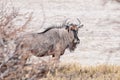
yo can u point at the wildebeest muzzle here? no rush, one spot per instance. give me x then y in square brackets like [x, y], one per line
[76, 39]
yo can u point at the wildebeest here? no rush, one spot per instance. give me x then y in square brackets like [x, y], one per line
[53, 41]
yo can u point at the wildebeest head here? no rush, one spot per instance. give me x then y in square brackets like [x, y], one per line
[74, 28]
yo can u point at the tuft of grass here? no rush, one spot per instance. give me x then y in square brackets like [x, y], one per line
[77, 72]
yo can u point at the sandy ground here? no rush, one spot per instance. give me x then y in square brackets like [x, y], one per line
[100, 36]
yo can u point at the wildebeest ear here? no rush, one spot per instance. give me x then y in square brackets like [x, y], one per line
[81, 26]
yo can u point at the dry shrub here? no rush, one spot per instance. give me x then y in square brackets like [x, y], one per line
[9, 15]
[12, 25]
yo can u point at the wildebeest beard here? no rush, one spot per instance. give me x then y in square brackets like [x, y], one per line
[72, 46]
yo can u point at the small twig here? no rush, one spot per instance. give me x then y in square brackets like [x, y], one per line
[6, 60]
[23, 27]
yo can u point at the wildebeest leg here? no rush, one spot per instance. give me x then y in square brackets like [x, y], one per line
[54, 63]
[54, 60]
[24, 57]
[43, 62]
[22, 60]
[56, 55]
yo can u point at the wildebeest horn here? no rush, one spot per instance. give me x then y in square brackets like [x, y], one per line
[79, 21]
[64, 23]
[79, 26]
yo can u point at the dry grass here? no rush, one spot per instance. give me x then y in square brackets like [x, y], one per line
[76, 72]
[65, 72]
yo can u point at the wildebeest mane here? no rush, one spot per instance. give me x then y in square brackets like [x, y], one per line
[49, 28]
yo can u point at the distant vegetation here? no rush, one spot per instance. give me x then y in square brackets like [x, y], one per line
[117, 0]
[9, 16]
